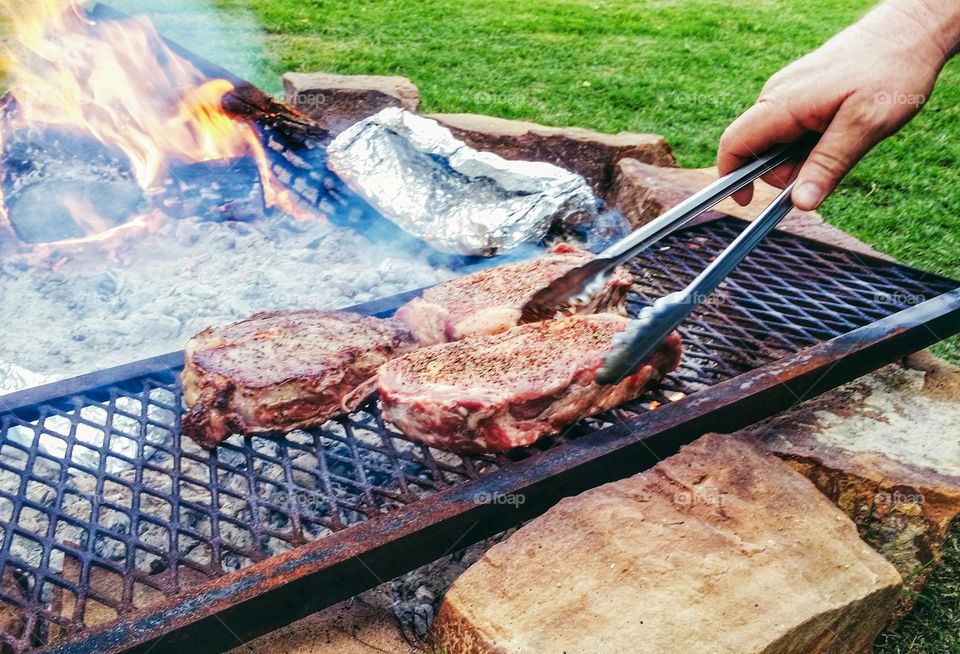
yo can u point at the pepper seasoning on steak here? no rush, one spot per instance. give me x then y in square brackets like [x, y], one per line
[490, 301]
[494, 393]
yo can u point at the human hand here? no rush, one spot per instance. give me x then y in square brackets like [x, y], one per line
[857, 89]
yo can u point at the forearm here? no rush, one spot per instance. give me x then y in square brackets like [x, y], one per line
[932, 27]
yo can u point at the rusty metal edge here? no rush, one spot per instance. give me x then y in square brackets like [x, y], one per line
[239, 607]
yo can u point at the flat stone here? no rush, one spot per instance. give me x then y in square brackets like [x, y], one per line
[591, 154]
[338, 101]
[643, 191]
[886, 449]
[718, 549]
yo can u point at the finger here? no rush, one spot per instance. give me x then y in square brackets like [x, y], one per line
[782, 174]
[779, 177]
[744, 196]
[760, 127]
[763, 125]
[848, 138]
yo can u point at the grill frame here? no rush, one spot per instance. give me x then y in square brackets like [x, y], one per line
[284, 587]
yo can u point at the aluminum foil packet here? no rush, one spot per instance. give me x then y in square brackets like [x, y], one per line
[459, 200]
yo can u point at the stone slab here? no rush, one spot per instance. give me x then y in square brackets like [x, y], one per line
[719, 549]
[886, 449]
[338, 101]
[586, 152]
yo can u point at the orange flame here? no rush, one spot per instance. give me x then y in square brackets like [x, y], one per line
[120, 82]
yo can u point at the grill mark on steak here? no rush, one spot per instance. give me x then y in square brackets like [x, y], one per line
[490, 301]
[283, 370]
[493, 393]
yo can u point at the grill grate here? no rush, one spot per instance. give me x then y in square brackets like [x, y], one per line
[106, 510]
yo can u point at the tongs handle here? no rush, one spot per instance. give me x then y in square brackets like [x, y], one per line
[658, 321]
[583, 280]
[692, 207]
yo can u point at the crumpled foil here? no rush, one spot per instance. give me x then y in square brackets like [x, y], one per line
[15, 378]
[460, 200]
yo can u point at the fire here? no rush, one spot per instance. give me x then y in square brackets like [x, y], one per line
[670, 396]
[120, 82]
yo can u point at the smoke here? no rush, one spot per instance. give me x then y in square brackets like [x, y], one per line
[229, 36]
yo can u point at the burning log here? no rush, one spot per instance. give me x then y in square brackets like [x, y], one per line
[245, 101]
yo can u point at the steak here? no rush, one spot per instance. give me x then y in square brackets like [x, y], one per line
[490, 301]
[493, 393]
[283, 370]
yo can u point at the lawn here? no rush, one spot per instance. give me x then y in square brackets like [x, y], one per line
[681, 68]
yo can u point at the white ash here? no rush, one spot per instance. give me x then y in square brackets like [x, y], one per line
[143, 292]
[73, 309]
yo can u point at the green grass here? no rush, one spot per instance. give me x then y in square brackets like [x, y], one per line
[681, 68]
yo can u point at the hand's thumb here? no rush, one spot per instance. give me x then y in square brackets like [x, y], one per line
[847, 139]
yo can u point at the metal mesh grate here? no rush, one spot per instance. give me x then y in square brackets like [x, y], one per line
[106, 510]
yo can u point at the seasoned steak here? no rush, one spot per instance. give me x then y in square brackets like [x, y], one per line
[493, 393]
[490, 301]
[283, 370]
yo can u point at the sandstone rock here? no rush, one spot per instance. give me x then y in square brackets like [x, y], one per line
[591, 154]
[338, 101]
[643, 192]
[717, 549]
[886, 450]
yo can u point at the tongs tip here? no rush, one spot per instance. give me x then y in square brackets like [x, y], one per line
[641, 338]
[565, 294]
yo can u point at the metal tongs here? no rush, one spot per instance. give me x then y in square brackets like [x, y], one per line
[656, 322]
